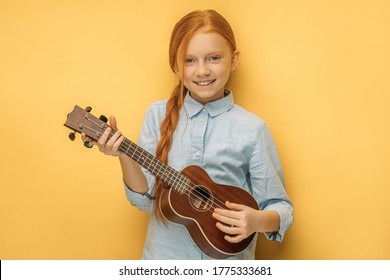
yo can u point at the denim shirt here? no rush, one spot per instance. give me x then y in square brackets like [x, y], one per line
[235, 147]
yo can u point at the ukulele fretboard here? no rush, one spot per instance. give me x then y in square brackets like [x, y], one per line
[159, 169]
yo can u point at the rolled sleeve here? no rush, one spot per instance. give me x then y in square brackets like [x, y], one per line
[143, 202]
[268, 184]
[285, 212]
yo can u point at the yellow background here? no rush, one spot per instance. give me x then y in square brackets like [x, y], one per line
[318, 72]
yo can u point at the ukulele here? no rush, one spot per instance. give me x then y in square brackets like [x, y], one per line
[191, 195]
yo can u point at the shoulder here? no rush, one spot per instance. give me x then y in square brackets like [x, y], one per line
[246, 118]
[156, 110]
[157, 106]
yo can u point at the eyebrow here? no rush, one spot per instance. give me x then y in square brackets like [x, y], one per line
[208, 54]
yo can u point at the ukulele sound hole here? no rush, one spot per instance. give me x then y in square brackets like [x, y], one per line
[200, 198]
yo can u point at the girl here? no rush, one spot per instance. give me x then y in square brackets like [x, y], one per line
[201, 125]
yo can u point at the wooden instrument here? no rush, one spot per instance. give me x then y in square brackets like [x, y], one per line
[191, 196]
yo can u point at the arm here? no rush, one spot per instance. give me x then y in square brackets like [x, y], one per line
[132, 172]
[132, 175]
[267, 184]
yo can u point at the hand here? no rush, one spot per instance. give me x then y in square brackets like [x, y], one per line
[238, 221]
[106, 145]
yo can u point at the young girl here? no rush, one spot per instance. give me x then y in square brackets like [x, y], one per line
[201, 125]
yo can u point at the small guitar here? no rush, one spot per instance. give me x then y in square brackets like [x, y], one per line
[191, 197]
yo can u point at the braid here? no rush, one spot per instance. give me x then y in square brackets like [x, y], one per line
[167, 129]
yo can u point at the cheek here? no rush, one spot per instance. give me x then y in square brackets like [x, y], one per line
[224, 72]
[223, 68]
[188, 74]
[186, 77]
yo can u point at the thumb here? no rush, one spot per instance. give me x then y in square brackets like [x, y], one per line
[113, 123]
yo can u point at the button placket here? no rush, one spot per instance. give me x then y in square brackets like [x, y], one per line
[198, 136]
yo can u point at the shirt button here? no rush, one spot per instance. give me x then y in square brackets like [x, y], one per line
[202, 120]
[196, 154]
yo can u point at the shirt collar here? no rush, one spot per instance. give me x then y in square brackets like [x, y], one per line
[214, 108]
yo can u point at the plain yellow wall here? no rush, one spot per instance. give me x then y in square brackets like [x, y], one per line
[316, 71]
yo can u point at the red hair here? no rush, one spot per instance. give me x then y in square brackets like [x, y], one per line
[205, 21]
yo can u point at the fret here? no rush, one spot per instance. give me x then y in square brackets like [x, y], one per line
[121, 146]
[183, 184]
[165, 174]
[135, 150]
[125, 146]
[141, 157]
[170, 178]
[144, 159]
[177, 182]
[162, 171]
[153, 165]
[147, 162]
[128, 146]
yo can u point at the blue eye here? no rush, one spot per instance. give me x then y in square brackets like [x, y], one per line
[214, 58]
[189, 60]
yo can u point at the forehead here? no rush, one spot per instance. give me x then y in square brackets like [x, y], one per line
[205, 43]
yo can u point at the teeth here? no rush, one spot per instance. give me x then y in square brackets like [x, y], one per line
[204, 83]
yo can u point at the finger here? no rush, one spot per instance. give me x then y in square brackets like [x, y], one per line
[103, 139]
[235, 206]
[233, 234]
[226, 213]
[118, 143]
[235, 238]
[229, 229]
[111, 142]
[85, 138]
[113, 123]
[227, 220]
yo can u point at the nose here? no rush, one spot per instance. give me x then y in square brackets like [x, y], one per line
[202, 70]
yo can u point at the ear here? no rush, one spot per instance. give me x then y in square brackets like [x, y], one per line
[235, 60]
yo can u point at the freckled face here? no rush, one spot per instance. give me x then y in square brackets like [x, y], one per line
[207, 67]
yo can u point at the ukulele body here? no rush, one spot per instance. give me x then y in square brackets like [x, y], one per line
[194, 210]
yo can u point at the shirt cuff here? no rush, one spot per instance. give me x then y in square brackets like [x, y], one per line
[285, 212]
[139, 200]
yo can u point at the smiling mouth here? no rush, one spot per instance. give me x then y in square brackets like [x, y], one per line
[204, 83]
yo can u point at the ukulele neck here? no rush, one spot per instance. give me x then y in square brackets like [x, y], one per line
[159, 169]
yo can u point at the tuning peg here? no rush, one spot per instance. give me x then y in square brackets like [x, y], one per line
[88, 109]
[88, 144]
[72, 136]
[103, 118]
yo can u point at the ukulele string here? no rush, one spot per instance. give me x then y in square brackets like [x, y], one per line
[197, 194]
[202, 196]
[124, 143]
[103, 126]
[187, 192]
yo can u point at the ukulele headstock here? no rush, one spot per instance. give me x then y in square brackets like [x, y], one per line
[82, 121]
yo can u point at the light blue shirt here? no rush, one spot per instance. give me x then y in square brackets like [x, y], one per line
[235, 147]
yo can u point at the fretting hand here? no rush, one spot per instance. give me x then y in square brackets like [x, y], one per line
[106, 145]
